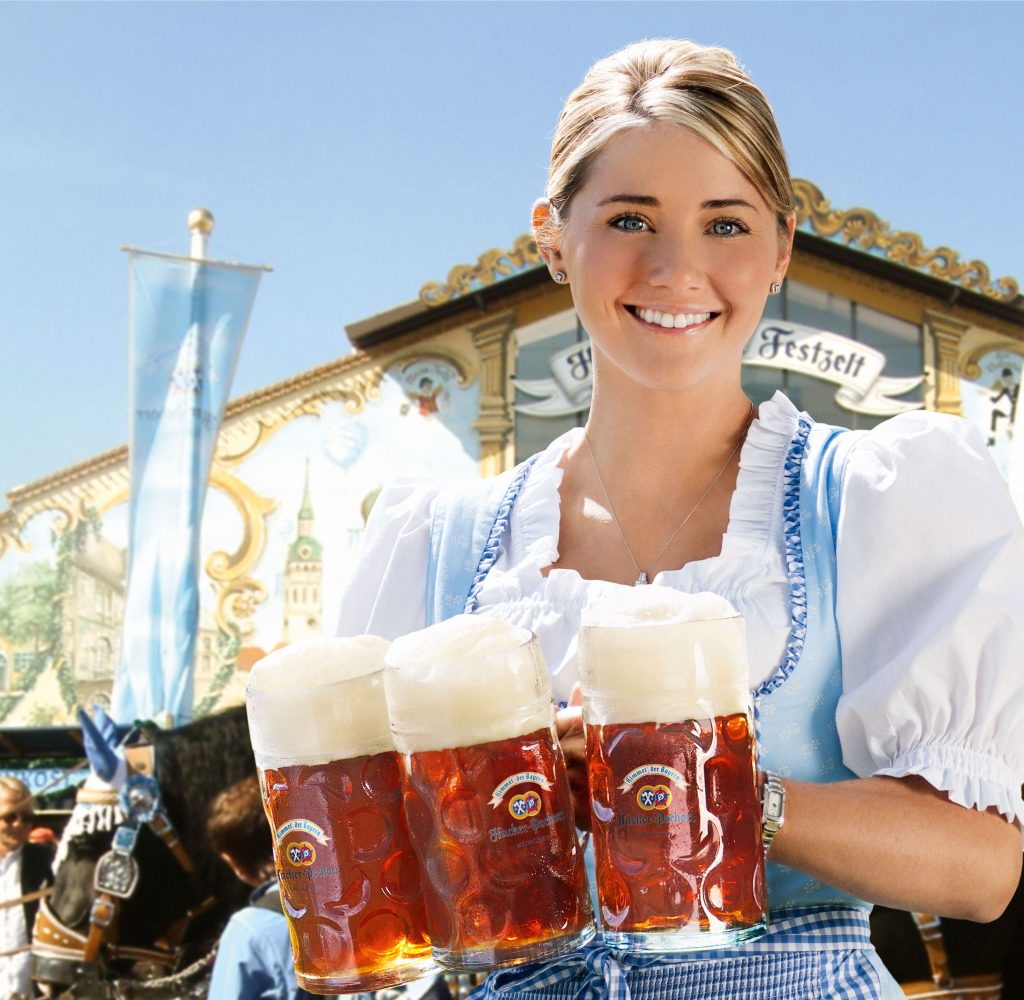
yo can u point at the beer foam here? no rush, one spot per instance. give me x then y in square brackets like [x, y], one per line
[464, 681]
[318, 701]
[655, 654]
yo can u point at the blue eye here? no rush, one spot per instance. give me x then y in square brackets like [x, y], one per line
[728, 227]
[630, 223]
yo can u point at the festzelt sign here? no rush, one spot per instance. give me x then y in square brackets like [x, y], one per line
[854, 367]
[568, 391]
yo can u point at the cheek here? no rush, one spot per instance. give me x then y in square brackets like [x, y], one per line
[745, 276]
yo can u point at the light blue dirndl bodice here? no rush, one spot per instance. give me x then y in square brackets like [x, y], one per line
[818, 944]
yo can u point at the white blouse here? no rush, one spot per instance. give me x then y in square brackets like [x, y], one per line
[930, 565]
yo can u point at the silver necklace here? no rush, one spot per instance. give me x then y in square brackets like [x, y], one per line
[643, 577]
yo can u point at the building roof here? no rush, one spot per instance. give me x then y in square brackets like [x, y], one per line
[856, 238]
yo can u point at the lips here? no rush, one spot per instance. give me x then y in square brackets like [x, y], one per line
[684, 321]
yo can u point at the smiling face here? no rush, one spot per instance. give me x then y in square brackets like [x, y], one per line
[670, 252]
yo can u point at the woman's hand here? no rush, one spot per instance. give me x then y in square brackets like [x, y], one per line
[569, 727]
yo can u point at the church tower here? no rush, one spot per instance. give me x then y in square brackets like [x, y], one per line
[303, 577]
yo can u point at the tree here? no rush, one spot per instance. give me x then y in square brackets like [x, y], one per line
[26, 605]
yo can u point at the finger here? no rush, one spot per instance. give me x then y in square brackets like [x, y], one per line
[569, 721]
[576, 695]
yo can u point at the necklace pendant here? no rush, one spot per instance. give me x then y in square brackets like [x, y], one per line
[641, 580]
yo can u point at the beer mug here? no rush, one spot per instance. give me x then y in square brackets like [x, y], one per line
[673, 774]
[487, 797]
[332, 789]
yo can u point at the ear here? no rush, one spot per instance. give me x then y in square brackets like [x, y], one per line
[546, 235]
[103, 758]
[785, 249]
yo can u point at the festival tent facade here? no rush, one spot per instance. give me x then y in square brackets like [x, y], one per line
[483, 369]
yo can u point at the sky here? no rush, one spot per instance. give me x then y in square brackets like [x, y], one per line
[363, 149]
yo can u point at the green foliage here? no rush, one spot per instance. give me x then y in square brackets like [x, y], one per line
[26, 604]
[32, 611]
[43, 715]
[228, 645]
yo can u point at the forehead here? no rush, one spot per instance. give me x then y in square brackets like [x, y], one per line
[9, 798]
[667, 162]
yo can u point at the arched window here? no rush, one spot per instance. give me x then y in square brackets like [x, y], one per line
[103, 659]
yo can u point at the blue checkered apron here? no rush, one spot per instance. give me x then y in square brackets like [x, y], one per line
[818, 944]
[810, 953]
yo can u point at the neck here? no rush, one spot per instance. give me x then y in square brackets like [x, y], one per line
[660, 440]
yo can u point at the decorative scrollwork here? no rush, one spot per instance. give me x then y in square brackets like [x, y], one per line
[243, 436]
[969, 366]
[493, 265]
[237, 592]
[465, 369]
[862, 227]
[10, 534]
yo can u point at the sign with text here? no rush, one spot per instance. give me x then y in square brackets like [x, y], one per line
[854, 367]
[569, 388]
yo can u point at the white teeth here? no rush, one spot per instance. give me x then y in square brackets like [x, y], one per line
[669, 321]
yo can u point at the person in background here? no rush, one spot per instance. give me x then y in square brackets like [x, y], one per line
[24, 869]
[254, 957]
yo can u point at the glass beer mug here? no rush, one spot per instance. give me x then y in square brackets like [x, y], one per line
[673, 774]
[332, 789]
[487, 797]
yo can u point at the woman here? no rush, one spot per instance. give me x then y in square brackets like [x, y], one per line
[890, 636]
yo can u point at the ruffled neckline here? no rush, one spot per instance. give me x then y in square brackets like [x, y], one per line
[752, 525]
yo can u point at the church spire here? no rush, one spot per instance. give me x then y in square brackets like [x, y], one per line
[306, 517]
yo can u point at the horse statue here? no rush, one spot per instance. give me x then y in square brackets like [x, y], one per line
[140, 897]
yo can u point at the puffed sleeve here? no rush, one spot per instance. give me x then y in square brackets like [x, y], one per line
[930, 605]
[385, 593]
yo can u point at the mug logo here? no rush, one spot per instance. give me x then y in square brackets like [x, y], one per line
[301, 854]
[524, 806]
[522, 778]
[654, 797]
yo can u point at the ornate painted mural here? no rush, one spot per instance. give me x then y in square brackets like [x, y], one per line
[291, 487]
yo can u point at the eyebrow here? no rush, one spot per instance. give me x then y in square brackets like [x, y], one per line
[652, 202]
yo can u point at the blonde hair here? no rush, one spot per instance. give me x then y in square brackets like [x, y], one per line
[15, 786]
[699, 87]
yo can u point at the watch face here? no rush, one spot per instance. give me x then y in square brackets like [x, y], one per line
[116, 874]
[774, 801]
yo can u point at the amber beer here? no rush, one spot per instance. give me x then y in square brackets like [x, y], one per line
[672, 766]
[332, 788]
[487, 797]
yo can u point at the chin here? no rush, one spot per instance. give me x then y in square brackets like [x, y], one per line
[662, 371]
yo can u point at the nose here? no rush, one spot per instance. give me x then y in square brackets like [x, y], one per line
[676, 262]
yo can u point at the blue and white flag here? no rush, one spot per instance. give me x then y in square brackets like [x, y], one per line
[187, 320]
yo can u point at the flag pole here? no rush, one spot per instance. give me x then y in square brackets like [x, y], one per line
[200, 225]
[187, 319]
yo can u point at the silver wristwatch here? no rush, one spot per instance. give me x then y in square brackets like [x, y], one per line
[773, 808]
